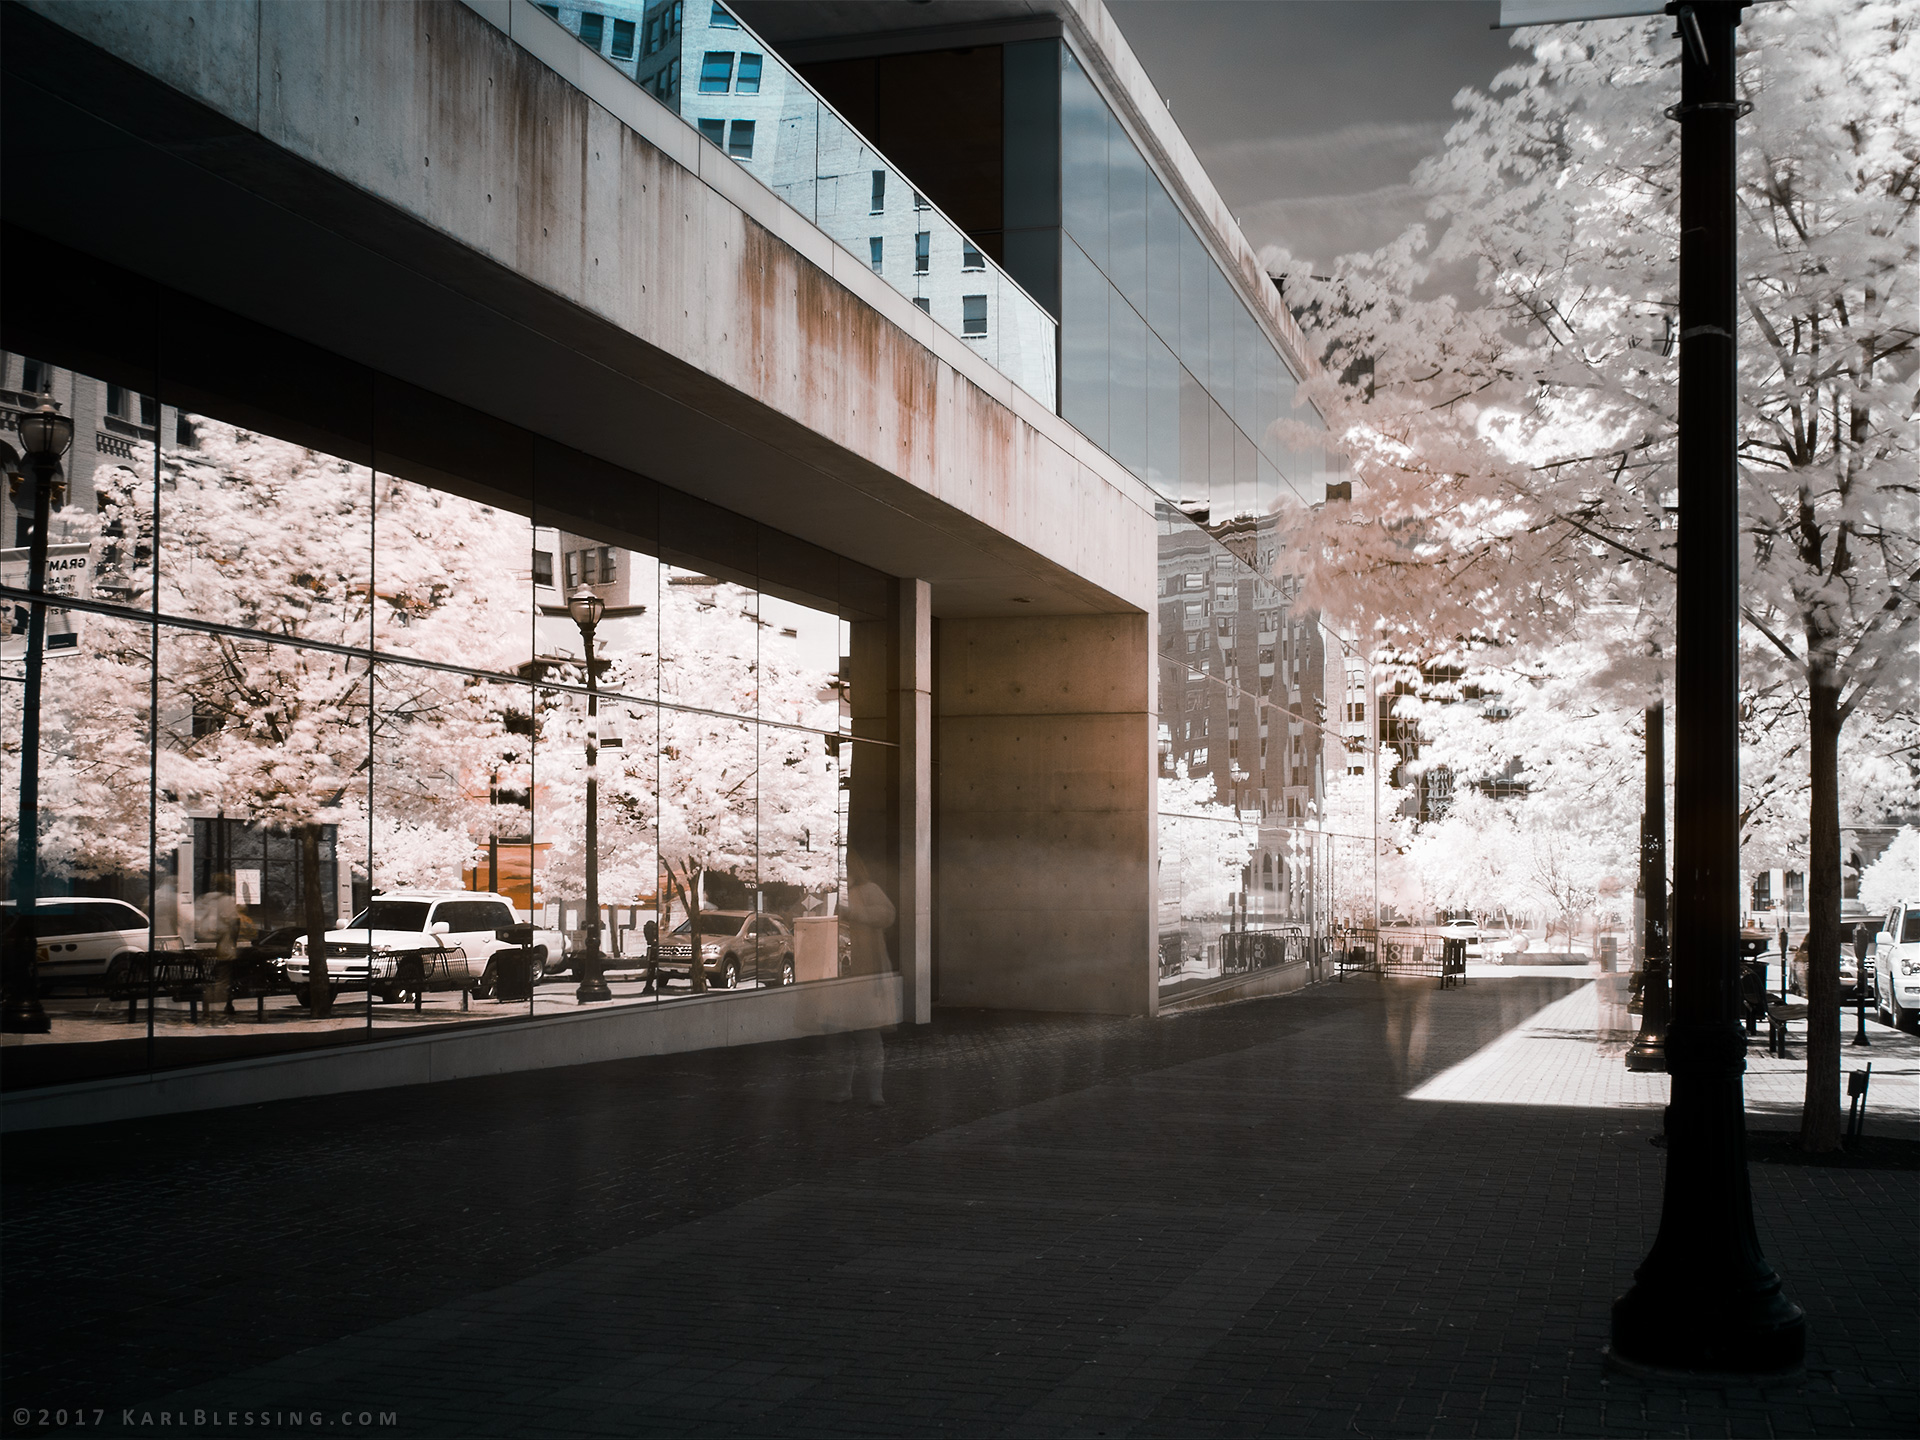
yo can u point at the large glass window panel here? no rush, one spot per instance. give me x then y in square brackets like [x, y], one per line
[267, 751]
[1196, 479]
[1084, 128]
[1245, 480]
[597, 755]
[1266, 484]
[801, 648]
[1127, 217]
[1267, 372]
[1220, 487]
[1084, 363]
[709, 821]
[454, 577]
[1163, 418]
[1205, 850]
[450, 842]
[1164, 227]
[800, 844]
[96, 904]
[1127, 423]
[1222, 308]
[1195, 266]
[266, 535]
[1248, 341]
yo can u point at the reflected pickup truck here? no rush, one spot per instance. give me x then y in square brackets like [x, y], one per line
[411, 941]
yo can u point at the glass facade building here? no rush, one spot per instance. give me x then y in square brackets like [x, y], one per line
[288, 691]
[311, 667]
[1162, 362]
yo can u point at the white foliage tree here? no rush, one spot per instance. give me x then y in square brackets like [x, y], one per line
[1895, 876]
[1513, 451]
[735, 797]
[284, 729]
[1204, 845]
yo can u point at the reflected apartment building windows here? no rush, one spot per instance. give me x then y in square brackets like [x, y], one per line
[716, 72]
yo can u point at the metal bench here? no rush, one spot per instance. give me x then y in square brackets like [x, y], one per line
[1777, 1017]
[191, 975]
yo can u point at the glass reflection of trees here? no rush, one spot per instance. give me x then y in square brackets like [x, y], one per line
[364, 690]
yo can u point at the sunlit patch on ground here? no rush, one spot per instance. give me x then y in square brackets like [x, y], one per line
[1560, 1057]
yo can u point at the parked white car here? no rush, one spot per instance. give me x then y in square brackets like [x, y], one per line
[85, 940]
[1896, 962]
[417, 940]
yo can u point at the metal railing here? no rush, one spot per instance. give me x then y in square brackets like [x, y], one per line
[727, 84]
[1400, 951]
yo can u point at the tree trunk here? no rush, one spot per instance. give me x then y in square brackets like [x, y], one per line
[319, 979]
[1820, 1114]
[690, 897]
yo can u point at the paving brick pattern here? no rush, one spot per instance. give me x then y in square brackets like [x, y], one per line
[1232, 1222]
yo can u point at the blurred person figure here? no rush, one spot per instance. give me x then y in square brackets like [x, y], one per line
[651, 933]
[221, 925]
[867, 913]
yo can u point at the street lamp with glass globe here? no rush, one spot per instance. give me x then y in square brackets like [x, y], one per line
[586, 609]
[45, 437]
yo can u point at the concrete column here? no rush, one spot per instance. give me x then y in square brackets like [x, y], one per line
[1048, 835]
[913, 707]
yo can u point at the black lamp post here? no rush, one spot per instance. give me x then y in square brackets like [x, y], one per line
[1705, 1300]
[1649, 1050]
[586, 609]
[45, 436]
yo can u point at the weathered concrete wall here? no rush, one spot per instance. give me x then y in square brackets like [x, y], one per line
[488, 125]
[1046, 813]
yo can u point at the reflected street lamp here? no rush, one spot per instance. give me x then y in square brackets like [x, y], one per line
[45, 436]
[586, 609]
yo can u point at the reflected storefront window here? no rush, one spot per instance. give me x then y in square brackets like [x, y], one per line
[326, 753]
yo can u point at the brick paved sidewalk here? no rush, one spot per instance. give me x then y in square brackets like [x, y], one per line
[1230, 1222]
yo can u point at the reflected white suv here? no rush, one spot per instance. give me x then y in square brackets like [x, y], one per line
[1896, 964]
[414, 940]
[84, 939]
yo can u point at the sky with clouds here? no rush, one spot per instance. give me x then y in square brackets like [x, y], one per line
[1310, 114]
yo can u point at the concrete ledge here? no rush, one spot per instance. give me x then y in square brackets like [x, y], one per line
[705, 1022]
[1279, 981]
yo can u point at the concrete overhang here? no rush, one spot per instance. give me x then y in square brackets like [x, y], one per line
[503, 220]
